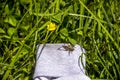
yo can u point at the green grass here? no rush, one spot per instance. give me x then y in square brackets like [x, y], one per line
[93, 24]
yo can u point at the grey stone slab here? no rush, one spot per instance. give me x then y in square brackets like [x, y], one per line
[54, 62]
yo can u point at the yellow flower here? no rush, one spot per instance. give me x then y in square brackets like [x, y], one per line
[51, 27]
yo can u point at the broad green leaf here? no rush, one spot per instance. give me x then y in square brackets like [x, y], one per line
[7, 11]
[62, 37]
[11, 20]
[2, 31]
[72, 41]
[57, 18]
[27, 78]
[25, 27]
[11, 31]
[25, 70]
[80, 33]
[63, 33]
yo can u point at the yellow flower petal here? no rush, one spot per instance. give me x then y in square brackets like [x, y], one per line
[51, 26]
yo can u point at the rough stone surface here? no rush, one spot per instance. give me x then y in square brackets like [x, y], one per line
[56, 63]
